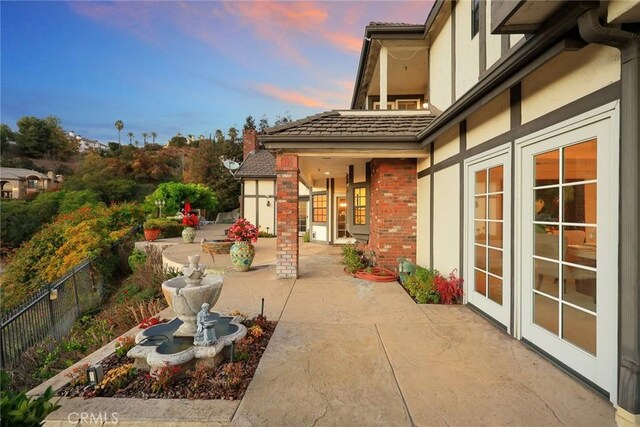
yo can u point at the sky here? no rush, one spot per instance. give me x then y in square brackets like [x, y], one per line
[190, 67]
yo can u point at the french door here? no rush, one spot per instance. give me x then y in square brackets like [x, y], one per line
[488, 240]
[568, 258]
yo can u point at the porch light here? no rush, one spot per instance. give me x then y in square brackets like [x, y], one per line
[343, 205]
[94, 374]
[425, 105]
[327, 173]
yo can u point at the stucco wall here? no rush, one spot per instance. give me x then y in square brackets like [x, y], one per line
[319, 232]
[467, 50]
[514, 39]
[493, 119]
[250, 209]
[440, 67]
[249, 187]
[446, 215]
[423, 222]
[494, 41]
[568, 77]
[447, 145]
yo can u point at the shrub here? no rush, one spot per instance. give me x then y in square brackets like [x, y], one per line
[420, 286]
[73, 200]
[136, 259]
[449, 288]
[175, 194]
[352, 258]
[306, 237]
[19, 410]
[124, 344]
[164, 377]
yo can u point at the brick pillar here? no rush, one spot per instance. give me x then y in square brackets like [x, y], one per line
[287, 248]
[393, 213]
[249, 142]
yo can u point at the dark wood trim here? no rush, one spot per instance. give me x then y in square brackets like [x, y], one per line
[257, 199]
[491, 320]
[333, 208]
[505, 44]
[462, 219]
[431, 208]
[515, 109]
[242, 183]
[453, 51]
[483, 36]
[275, 208]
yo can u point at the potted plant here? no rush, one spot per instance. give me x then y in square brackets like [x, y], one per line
[190, 222]
[152, 229]
[242, 251]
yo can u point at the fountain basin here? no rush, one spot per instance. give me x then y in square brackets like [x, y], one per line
[159, 347]
[186, 300]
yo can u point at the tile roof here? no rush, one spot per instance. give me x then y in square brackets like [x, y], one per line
[392, 24]
[259, 163]
[20, 173]
[354, 124]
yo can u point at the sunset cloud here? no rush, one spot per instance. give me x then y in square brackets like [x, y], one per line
[290, 96]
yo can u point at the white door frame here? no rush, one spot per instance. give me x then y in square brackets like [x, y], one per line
[334, 231]
[497, 156]
[603, 124]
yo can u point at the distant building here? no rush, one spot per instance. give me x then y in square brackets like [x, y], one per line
[18, 183]
[85, 144]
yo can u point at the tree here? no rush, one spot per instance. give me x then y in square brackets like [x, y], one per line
[178, 141]
[130, 135]
[250, 123]
[263, 124]
[39, 137]
[154, 135]
[175, 194]
[283, 120]
[145, 135]
[119, 125]
[6, 135]
[233, 134]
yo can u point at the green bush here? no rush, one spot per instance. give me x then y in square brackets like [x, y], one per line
[136, 259]
[19, 410]
[174, 194]
[73, 200]
[420, 286]
[352, 258]
[307, 237]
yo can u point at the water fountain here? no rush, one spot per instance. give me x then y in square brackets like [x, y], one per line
[196, 336]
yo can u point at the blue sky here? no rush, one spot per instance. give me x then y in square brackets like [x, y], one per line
[188, 67]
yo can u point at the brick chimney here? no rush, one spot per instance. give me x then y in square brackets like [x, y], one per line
[249, 142]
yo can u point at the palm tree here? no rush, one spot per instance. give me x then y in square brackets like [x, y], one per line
[130, 135]
[119, 125]
[145, 135]
[154, 135]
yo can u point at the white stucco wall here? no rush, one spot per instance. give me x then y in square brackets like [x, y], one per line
[467, 50]
[266, 187]
[423, 164]
[567, 77]
[447, 145]
[446, 215]
[319, 232]
[249, 187]
[440, 67]
[250, 209]
[267, 215]
[514, 39]
[494, 41]
[493, 119]
[423, 221]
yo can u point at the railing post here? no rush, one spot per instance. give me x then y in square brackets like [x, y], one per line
[2, 347]
[75, 289]
[52, 316]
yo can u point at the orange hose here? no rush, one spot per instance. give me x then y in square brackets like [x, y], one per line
[377, 275]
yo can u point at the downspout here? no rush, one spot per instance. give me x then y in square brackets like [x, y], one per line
[629, 217]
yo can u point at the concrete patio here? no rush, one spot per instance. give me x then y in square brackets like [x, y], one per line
[349, 352]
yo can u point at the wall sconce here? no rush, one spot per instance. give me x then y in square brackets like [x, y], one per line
[425, 105]
[268, 201]
[94, 374]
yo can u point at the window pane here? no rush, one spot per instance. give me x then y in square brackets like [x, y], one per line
[495, 234]
[545, 313]
[580, 287]
[547, 168]
[546, 276]
[546, 204]
[495, 262]
[546, 241]
[481, 207]
[495, 206]
[480, 257]
[580, 203]
[495, 289]
[481, 181]
[580, 245]
[480, 285]
[580, 162]
[496, 181]
[579, 328]
[480, 232]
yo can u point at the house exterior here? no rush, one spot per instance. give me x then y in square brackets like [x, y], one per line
[498, 139]
[18, 183]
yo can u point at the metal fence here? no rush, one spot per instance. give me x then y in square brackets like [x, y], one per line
[52, 312]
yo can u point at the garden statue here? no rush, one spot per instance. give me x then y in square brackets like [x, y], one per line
[205, 333]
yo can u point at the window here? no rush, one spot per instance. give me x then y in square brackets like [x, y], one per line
[32, 183]
[407, 104]
[475, 17]
[390, 105]
[359, 205]
[320, 208]
[302, 215]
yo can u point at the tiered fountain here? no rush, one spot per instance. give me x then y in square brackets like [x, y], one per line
[197, 336]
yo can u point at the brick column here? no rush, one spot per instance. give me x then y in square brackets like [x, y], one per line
[287, 248]
[393, 213]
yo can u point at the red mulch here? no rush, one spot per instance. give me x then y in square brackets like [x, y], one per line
[228, 381]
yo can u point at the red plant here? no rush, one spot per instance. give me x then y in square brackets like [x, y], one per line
[243, 231]
[190, 220]
[450, 288]
[148, 322]
[164, 377]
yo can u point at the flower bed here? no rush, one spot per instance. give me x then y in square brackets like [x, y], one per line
[229, 381]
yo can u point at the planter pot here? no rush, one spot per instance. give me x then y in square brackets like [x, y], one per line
[242, 254]
[188, 234]
[152, 234]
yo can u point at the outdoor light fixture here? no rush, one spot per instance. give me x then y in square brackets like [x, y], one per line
[94, 374]
[327, 173]
[53, 294]
[160, 204]
[425, 105]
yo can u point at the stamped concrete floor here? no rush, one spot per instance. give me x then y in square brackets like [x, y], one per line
[348, 352]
